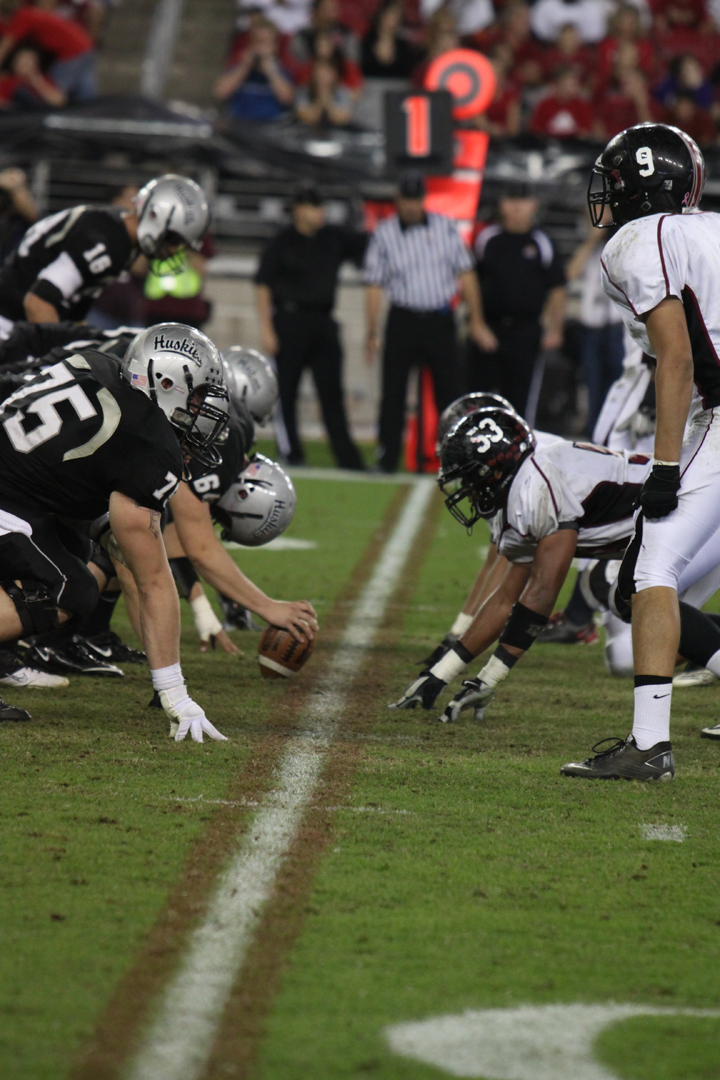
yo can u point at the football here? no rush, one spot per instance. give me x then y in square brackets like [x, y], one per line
[281, 655]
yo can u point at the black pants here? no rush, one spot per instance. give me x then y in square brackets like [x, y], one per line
[52, 555]
[413, 339]
[312, 339]
[509, 370]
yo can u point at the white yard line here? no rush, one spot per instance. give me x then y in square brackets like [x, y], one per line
[179, 1040]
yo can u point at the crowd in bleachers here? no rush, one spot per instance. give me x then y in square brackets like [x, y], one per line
[565, 68]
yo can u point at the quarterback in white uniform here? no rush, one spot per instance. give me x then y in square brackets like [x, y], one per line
[662, 270]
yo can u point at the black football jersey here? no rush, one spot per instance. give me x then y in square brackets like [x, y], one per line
[210, 484]
[66, 259]
[78, 432]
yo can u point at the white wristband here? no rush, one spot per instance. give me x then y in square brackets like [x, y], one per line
[207, 623]
[461, 624]
[448, 667]
[165, 678]
[494, 672]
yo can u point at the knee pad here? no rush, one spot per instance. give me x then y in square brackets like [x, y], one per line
[185, 575]
[35, 605]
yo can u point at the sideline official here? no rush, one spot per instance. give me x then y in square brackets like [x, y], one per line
[522, 285]
[296, 283]
[418, 258]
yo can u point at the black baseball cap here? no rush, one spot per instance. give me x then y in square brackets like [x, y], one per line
[307, 195]
[411, 185]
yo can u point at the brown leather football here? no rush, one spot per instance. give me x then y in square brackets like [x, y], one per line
[280, 654]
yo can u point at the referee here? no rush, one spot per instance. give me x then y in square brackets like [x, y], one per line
[295, 294]
[418, 259]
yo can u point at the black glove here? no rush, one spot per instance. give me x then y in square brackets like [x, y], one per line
[445, 645]
[424, 691]
[658, 497]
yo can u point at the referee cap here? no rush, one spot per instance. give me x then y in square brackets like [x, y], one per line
[307, 195]
[411, 186]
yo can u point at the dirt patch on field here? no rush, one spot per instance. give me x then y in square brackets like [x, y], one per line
[118, 1030]
[243, 1026]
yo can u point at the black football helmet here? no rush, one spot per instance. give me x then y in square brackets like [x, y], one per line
[646, 169]
[479, 458]
[465, 405]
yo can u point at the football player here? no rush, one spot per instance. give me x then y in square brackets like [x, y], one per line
[662, 270]
[65, 260]
[549, 504]
[87, 437]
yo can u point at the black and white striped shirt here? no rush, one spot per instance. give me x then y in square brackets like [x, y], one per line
[418, 265]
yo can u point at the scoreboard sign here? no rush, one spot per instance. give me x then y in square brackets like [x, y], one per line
[419, 131]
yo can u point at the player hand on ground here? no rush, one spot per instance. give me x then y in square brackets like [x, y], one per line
[424, 691]
[297, 616]
[223, 641]
[188, 716]
[475, 694]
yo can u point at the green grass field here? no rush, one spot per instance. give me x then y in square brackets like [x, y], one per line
[458, 871]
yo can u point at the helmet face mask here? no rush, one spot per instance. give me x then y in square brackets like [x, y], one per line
[259, 506]
[479, 459]
[179, 369]
[646, 169]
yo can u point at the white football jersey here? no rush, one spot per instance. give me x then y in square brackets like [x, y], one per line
[671, 255]
[573, 486]
[495, 523]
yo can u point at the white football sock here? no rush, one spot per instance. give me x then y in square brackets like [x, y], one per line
[713, 663]
[651, 723]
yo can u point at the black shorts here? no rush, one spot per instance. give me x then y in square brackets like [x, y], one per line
[36, 547]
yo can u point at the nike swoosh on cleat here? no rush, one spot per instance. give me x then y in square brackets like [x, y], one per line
[103, 652]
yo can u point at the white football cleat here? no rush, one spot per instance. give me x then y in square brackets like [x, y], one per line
[26, 676]
[694, 675]
[710, 732]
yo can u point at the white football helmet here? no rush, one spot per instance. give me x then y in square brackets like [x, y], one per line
[180, 369]
[250, 379]
[172, 211]
[259, 506]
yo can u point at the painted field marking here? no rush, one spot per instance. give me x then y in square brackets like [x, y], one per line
[179, 1040]
[664, 832]
[533, 1042]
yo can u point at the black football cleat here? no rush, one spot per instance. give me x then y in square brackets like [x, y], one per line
[560, 631]
[73, 658]
[12, 714]
[623, 761]
[110, 648]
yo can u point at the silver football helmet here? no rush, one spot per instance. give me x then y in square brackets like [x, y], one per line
[172, 211]
[250, 379]
[180, 369]
[259, 506]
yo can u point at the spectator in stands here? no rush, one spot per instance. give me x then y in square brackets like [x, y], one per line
[522, 285]
[564, 113]
[686, 77]
[470, 16]
[91, 14]
[589, 17]
[327, 49]
[25, 87]
[17, 210]
[325, 21]
[386, 51]
[420, 260]
[503, 115]
[440, 37]
[568, 51]
[686, 114]
[515, 34]
[624, 28]
[69, 48]
[324, 102]
[296, 283]
[601, 335]
[624, 100]
[258, 87]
